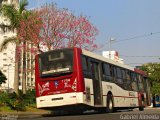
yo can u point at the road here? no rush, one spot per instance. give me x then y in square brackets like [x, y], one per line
[147, 114]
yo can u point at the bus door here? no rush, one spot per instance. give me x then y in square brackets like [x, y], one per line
[95, 69]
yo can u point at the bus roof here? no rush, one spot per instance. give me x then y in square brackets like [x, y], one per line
[140, 71]
[99, 57]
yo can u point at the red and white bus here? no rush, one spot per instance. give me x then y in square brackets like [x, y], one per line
[77, 79]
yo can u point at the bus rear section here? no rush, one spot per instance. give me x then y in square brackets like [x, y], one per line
[59, 79]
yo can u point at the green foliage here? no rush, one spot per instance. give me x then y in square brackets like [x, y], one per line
[17, 102]
[22, 5]
[10, 12]
[153, 70]
[3, 98]
[13, 14]
[12, 100]
[30, 98]
[155, 89]
[2, 78]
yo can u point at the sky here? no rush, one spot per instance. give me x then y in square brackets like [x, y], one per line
[133, 24]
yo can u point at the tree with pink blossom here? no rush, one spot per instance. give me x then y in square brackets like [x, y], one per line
[52, 28]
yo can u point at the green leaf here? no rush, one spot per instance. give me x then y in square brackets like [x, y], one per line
[2, 77]
[153, 70]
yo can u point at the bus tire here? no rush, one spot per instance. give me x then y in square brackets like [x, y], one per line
[141, 108]
[76, 112]
[109, 104]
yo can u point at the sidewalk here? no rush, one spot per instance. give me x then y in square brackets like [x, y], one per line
[150, 107]
[17, 115]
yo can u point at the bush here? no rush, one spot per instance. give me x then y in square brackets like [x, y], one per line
[30, 98]
[18, 102]
[11, 100]
[3, 98]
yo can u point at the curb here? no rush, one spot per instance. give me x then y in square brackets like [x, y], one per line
[19, 115]
[152, 108]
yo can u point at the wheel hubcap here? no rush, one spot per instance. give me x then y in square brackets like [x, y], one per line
[110, 104]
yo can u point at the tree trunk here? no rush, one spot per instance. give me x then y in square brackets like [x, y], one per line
[24, 69]
[16, 72]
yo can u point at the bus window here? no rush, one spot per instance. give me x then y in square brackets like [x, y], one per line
[114, 72]
[119, 72]
[140, 83]
[95, 70]
[145, 84]
[128, 76]
[85, 66]
[134, 85]
[55, 63]
[107, 72]
[123, 74]
[84, 63]
[127, 80]
[119, 75]
[106, 69]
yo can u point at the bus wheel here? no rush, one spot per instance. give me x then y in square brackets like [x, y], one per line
[141, 108]
[75, 112]
[109, 105]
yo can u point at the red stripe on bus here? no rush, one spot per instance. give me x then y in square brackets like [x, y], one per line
[125, 96]
[115, 96]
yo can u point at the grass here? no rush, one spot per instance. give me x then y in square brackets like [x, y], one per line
[21, 103]
[34, 109]
[5, 109]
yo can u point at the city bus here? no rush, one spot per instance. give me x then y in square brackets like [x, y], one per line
[76, 79]
[156, 101]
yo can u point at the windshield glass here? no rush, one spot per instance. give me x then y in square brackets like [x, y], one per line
[56, 62]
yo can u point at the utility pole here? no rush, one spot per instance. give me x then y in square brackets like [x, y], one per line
[110, 40]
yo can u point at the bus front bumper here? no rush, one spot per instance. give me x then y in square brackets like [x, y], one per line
[59, 100]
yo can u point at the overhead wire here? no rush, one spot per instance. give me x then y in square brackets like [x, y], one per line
[139, 36]
[136, 37]
[141, 56]
[127, 39]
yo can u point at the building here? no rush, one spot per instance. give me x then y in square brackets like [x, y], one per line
[113, 55]
[7, 57]
[29, 71]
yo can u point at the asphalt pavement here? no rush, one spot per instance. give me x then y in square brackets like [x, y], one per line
[48, 114]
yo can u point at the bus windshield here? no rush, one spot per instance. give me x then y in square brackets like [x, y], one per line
[56, 62]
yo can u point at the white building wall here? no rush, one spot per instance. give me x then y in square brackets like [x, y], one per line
[7, 58]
